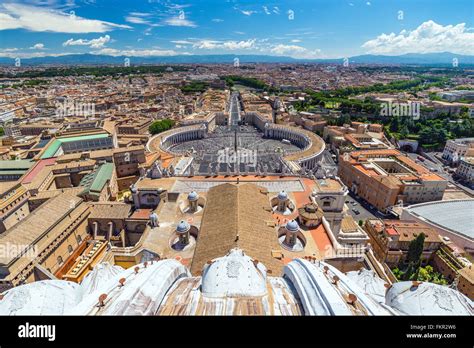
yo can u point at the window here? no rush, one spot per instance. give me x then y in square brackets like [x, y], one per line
[79, 239]
[60, 260]
[70, 249]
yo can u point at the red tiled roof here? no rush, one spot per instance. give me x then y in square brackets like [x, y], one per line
[141, 214]
[392, 232]
[36, 169]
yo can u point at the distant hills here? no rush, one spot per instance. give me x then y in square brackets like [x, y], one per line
[436, 59]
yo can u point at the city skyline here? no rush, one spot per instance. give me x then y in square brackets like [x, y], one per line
[300, 29]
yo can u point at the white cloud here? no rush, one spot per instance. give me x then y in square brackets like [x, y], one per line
[225, 45]
[147, 31]
[173, 6]
[12, 53]
[135, 53]
[139, 18]
[136, 20]
[276, 10]
[180, 22]
[140, 14]
[247, 13]
[429, 37]
[265, 9]
[368, 3]
[217, 20]
[16, 16]
[282, 49]
[206, 44]
[38, 46]
[236, 45]
[181, 42]
[260, 45]
[295, 51]
[296, 40]
[94, 43]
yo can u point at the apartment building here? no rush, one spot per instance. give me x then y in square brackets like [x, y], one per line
[385, 178]
[390, 239]
[465, 169]
[132, 126]
[455, 149]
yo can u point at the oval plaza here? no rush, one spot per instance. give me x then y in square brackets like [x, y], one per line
[239, 141]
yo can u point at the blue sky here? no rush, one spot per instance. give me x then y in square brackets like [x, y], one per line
[297, 28]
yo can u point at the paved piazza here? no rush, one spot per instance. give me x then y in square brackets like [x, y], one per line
[214, 154]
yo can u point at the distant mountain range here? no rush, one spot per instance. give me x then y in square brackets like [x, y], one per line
[436, 59]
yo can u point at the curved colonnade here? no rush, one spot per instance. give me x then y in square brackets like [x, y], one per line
[311, 145]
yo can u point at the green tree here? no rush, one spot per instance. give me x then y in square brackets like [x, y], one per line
[427, 134]
[417, 127]
[409, 272]
[2, 131]
[404, 132]
[161, 126]
[394, 124]
[195, 86]
[415, 249]
[397, 273]
[344, 119]
[428, 274]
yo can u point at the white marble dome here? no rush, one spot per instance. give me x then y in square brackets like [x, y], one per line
[234, 275]
[426, 298]
[47, 297]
